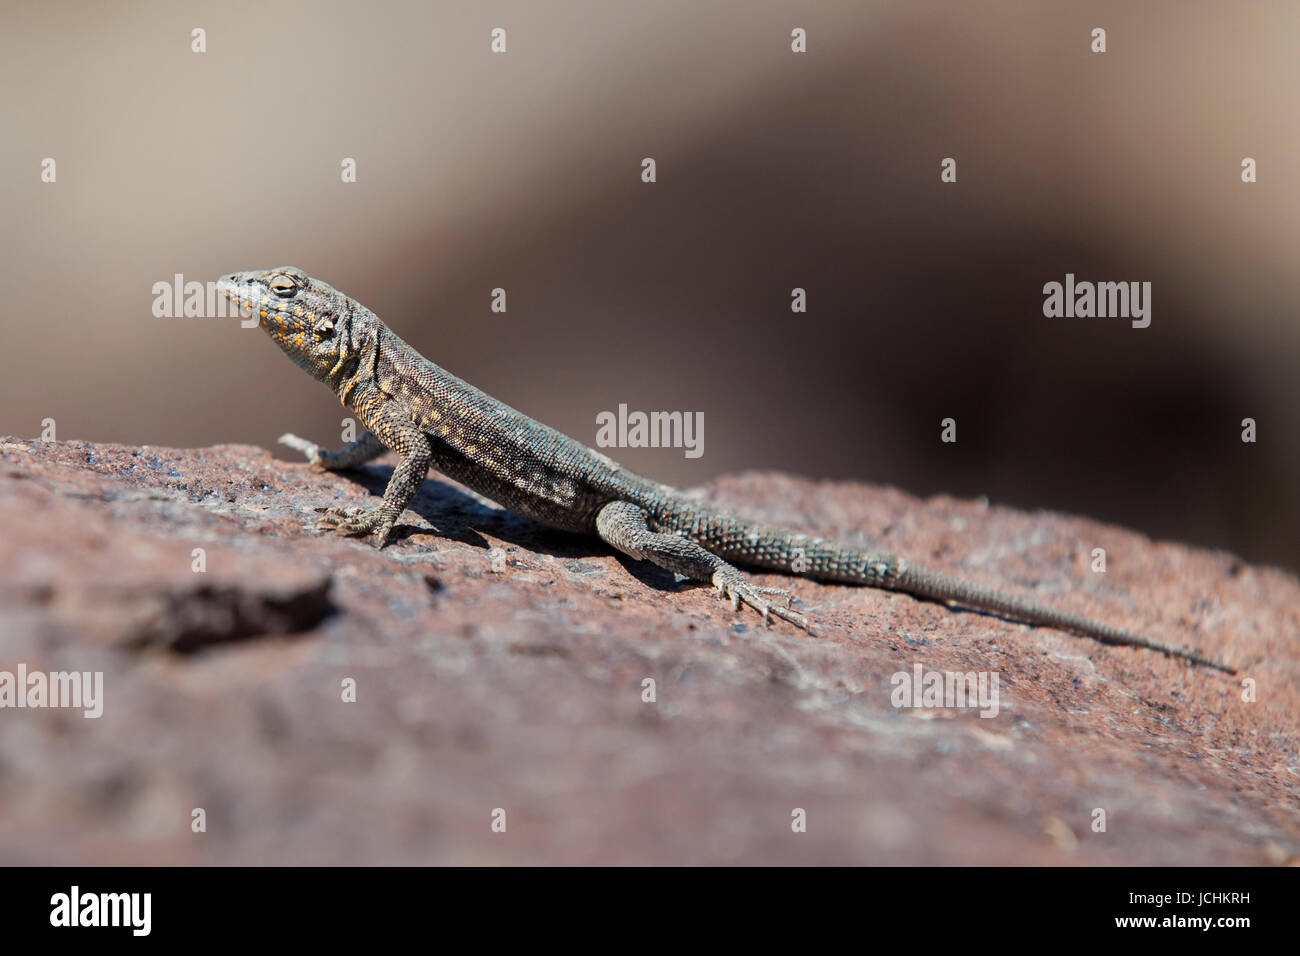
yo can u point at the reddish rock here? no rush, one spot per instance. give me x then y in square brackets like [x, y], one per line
[499, 665]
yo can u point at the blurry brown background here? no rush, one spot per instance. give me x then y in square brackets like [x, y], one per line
[775, 170]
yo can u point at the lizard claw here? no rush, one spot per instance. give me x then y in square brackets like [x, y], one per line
[358, 521]
[734, 586]
[779, 592]
[341, 517]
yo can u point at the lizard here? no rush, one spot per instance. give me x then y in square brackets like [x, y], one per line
[431, 418]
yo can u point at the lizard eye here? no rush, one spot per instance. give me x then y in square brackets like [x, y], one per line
[283, 285]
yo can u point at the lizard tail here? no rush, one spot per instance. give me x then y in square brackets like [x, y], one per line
[781, 550]
[924, 582]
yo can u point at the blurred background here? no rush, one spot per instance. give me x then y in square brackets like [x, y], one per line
[775, 170]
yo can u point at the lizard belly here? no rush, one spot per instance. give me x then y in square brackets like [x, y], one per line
[527, 488]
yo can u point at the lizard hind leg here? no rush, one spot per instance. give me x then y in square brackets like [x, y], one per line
[622, 525]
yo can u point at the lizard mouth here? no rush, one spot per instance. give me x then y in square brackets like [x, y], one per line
[288, 322]
[244, 295]
[252, 300]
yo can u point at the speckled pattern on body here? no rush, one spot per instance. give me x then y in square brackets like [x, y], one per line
[431, 418]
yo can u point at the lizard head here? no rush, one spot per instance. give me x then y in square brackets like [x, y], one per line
[310, 320]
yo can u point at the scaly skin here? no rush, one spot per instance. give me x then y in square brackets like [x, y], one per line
[431, 418]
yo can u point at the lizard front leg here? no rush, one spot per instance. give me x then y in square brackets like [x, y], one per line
[352, 455]
[412, 446]
[622, 525]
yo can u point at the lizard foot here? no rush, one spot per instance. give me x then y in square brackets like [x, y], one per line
[309, 449]
[358, 521]
[733, 585]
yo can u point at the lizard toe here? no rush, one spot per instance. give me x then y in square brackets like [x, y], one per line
[354, 521]
[779, 592]
[338, 516]
[308, 448]
[733, 585]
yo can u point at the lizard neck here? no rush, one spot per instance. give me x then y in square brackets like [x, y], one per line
[358, 352]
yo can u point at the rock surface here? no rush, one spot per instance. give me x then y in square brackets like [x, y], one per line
[499, 665]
